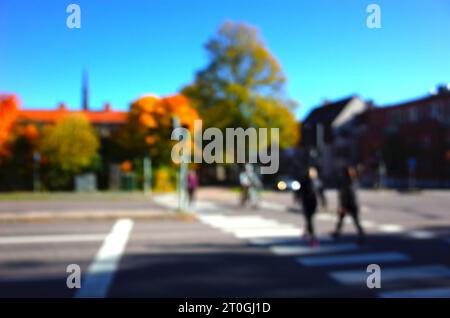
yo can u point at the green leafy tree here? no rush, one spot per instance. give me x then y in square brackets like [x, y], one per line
[69, 147]
[243, 85]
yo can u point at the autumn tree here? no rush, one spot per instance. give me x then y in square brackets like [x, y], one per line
[15, 147]
[8, 114]
[243, 85]
[69, 147]
[150, 123]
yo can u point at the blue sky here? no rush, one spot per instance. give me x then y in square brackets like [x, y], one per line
[136, 47]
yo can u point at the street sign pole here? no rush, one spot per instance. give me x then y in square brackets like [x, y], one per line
[412, 164]
[147, 175]
[182, 175]
[36, 172]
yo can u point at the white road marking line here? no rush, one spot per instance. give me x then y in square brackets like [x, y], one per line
[251, 226]
[367, 258]
[393, 274]
[275, 241]
[304, 250]
[421, 235]
[167, 200]
[244, 223]
[418, 293]
[332, 218]
[207, 207]
[279, 228]
[274, 232]
[365, 209]
[368, 224]
[100, 273]
[210, 218]
[221, 219]
[347, 220]
[325, 217]
[272, 206]
[280, 241]
[32, 239]
[390, 228]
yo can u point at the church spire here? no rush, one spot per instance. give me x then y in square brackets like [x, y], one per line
[85, 93]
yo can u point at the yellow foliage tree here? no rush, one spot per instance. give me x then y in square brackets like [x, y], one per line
[69, 146]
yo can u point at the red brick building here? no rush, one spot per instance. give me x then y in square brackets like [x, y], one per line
[409, 142]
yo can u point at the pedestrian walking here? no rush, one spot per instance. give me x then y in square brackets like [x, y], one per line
[318, 187]
[250, 185]
[308, 198]
[192, 185]
[348, 203]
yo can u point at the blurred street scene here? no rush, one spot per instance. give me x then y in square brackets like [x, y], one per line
[223, 250]
[246, 151]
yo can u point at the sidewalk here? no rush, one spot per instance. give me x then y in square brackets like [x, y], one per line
[75, 206]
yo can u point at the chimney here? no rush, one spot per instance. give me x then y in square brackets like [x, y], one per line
[62, 107]
[107, 107]
[440, 89]
[85, 92]
[370, 103]
[443, 89]
[325, 102]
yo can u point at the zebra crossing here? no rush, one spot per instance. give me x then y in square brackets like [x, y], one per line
[344, 262]
[351, 259]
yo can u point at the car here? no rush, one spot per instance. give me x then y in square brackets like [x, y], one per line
[285, 183]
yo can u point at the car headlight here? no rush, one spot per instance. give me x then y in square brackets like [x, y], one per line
[281, 185]
[295, 185]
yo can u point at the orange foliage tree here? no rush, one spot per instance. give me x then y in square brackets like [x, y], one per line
[150, 123]
[8, 114]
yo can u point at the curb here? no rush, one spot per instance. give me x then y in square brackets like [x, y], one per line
[94, 216]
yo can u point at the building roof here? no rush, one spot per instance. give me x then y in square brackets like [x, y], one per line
[95, 117]
[420, 100]
[327, 113]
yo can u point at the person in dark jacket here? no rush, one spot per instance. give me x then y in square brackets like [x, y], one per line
[318, 187]
[307, 196]
[348, 203]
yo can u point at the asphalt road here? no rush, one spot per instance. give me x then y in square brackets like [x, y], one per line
[231, 251]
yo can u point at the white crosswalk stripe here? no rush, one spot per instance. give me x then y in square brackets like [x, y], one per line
[39, 239]
[304, 250]
[443, 292]
[421, 235]
[272, 206]
[274, 232]
[284, 239]
[229, 223]
[251, 226]
[413, 273]
[288, 241]
[348, 259]
[390, 228]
